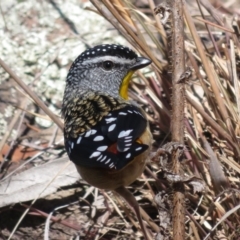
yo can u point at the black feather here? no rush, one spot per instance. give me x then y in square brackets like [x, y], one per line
[122, 128]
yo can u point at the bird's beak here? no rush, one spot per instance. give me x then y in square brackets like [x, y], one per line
[140, 63]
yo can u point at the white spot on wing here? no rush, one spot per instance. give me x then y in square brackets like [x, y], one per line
[99, 157]
[93, 131]
[72, 145]
[79, 140]
[102, 148]
[111, 165]
[109, 120]
[128, 155]
[125, 149]
[88, 133]
[108, 161]
[122, 113]
[98, 138]
[95, 154]
[111, 127]
[138, 149]
[103, 159]
[128, 137]
[124, 133]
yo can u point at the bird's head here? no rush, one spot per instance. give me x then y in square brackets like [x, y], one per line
[104, 68]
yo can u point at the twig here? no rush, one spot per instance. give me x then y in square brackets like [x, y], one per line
[35, 98]
[177, 125]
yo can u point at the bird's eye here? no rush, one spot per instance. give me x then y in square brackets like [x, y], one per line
[108, 65]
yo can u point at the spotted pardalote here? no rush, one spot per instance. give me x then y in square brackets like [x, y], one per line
[103, 128]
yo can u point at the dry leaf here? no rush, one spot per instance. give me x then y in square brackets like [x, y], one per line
[27, 185]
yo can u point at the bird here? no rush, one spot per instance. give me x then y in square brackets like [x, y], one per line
[106, 134]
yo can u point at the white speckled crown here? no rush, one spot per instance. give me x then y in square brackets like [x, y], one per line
[107, 50]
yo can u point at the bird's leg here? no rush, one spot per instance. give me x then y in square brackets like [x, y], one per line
[130, 199]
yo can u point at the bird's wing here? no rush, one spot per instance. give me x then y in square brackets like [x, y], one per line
[112, 143]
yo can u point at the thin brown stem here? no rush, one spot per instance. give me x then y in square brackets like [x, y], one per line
[33, 95]
[177, 126]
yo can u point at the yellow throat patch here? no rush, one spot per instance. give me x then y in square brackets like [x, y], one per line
[124, 86]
